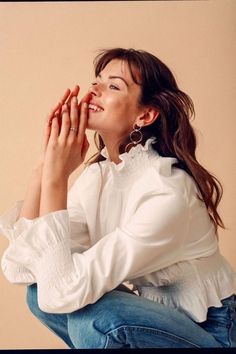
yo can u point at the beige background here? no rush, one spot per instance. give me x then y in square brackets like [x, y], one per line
[47, 47]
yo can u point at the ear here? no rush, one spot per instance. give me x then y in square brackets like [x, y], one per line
[147, 117]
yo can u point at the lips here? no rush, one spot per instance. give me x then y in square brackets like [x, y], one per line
[95, 107]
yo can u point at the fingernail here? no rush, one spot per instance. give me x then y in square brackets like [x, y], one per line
[85, 104]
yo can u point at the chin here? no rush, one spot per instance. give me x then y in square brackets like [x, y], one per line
[92, 124]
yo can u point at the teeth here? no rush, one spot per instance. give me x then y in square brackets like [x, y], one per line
[95, 108]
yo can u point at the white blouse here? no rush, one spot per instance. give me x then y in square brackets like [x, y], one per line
[139, 221]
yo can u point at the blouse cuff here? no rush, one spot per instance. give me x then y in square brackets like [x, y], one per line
[11, 226]
[45, 246]
[16, 273]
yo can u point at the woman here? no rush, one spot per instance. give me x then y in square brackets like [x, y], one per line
[143, 211]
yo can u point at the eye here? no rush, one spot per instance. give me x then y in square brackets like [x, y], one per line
[93, 83]
[113, 87]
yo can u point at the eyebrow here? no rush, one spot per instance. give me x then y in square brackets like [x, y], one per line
[115, 77]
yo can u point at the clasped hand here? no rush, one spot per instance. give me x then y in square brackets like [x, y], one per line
[65, 144]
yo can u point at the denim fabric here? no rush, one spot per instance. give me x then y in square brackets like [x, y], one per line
[221, 322]
[124, 320]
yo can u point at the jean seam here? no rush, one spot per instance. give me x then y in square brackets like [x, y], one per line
[146, 329]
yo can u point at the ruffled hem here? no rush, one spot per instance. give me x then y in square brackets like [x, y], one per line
[194, 298]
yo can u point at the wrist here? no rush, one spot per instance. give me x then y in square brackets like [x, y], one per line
[35, 179]
[53, 181]
[53, 195]
[38, 169]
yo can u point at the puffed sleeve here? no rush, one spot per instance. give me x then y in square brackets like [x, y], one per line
[15, 228]
[151, 240]
[11, 226]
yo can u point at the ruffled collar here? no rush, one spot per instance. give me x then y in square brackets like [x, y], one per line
[132, 162]
[134, 151]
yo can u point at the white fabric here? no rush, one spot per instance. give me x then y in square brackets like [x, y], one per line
[138, 221]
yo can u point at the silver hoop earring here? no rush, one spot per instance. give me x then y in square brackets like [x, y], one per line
[136, 135]
[135, 132]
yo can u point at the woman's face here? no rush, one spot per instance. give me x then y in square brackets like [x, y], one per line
[114, 107]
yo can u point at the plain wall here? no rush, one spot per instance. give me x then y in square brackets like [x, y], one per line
[49, 46]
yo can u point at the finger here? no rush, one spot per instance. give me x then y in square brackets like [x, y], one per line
[47, 133]
[65, 96]
[54, 130]
[82, 121]
[74, 115]
[51, 114]
[75, 92]
[79, 108]
[63, 100]
[55, 112]
[58, 106]
[66, 123]
[47, 130]
[86, 98]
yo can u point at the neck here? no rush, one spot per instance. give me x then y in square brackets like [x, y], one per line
[112, 144]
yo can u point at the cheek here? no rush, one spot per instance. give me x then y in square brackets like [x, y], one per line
[116, 114]
[121, 107]
[114, 103]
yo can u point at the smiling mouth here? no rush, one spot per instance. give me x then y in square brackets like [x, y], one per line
[94, 108]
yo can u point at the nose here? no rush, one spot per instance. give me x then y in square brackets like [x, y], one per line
[95, 90]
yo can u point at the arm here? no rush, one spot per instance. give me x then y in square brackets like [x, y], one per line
[31, 205]
[66, 151]
[22, 216]
[15, 270]
[151, 240]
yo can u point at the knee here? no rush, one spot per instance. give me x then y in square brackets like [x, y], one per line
[88, 327]
[82, 329]
[31, 296]
[32, 300]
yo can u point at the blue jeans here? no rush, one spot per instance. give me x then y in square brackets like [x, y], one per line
[125, 320]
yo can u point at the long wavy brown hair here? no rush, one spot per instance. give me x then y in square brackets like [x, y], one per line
[174, 133]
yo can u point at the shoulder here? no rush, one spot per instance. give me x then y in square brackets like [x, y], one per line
[162, 175]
